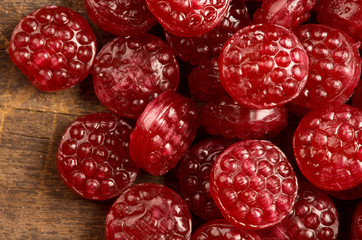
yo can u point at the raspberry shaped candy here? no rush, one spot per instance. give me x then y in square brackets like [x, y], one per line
[342, 14]
[129, 72]
[334, 66]
[164, 132]
[93, 156]
[54, 47]
[253, 184]
[123, 18]
[289, 14]
[349, 194]
[230, 120]
[196, 50]
[327, 145]
[314, 216]
[194, 176]
[356, 227]
[221, 229]
[204, 82]
[188, 18]
[263, 66]
[148, 211]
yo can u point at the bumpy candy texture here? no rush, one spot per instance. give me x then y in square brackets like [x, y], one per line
[253, 184]
[327, 145]
[188, 18]
[334, 66]
[130, 72]
[148, 212]
[221, 229]
[230, 120]
[164, 132]
[196, 50]
[287, 13]
[342, 14]
[54, 47]
[93, 156]
[263, 66]
[356, 227]
[194, 176]
[123, 18]
[314, 216]
[204, 82]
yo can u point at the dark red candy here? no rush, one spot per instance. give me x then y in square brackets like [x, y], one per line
[314, 216]
[328, 147]
[54, 47]
[204, 82]
[164, 132]
[334, 66]
[196, 50]
[123, 18]
[263, 66]
[230, 120]
[188, 18]
[221, 229]
[148, 212]
[194, 174]
[253, 184]
[356, 227]
[93, 156]
[342, 14]
[129, 72]
[357, 96]
[349, 194]
[289, 14]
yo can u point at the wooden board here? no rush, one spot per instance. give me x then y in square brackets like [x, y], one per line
[34, 203]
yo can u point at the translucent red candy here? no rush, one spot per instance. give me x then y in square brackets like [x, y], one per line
[230, 120]
[253, 184]
[54, 47]
[221, 229]
[341, 14]
[289, 14]
[188, 18]
[263, 66]
[196, 50]
[194, 176]
[334, 66]
[356, 227]
[93, 156]
[130, 72]
[148, 212]
[314, 216]
[125, 18]
[204, 82]
[328, 147]
[164, 132]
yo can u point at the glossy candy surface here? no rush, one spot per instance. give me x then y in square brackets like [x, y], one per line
[130, 72]
[221, 229]
[328, 147]
[230, 120]
[356, 227]
[54, 47]
[148, 211]
[287, 13]
[164, 132]
[93, 156]
[194, 176]
[334, 66]
[196, 50]
[125, 18]
[253, 184]
[188, 18]
[263, 66]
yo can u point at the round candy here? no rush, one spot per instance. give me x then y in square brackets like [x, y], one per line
[54, 47]
[356, 227]
[93, 156]
[253, 184]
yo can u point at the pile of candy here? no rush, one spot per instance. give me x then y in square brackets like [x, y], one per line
[250, 69]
